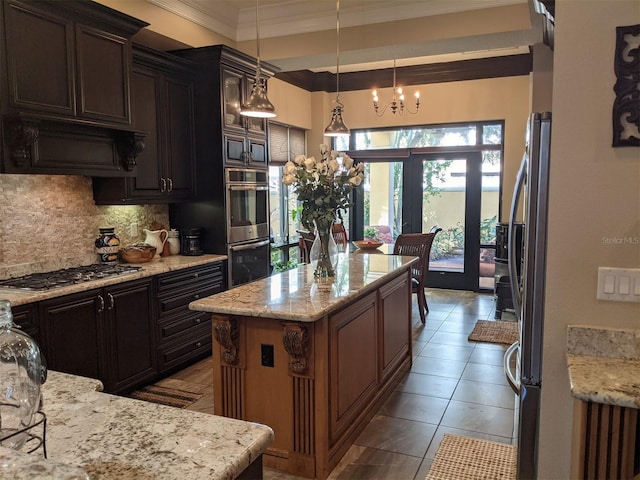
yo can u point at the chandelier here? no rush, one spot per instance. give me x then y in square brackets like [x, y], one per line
[397, 102]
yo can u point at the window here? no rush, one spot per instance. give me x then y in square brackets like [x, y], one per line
[285, 143]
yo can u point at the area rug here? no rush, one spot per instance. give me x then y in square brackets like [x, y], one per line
[466, 458]
[495, 331]
[166, 396]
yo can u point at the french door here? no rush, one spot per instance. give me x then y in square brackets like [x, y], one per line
[413, 194]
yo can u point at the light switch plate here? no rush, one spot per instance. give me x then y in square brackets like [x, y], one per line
[619, 284]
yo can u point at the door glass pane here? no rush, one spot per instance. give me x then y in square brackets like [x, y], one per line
[443, 204]
[382, 201]
[489, 204]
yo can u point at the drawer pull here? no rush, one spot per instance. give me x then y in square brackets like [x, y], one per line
[198, 344]
[196, 275]
[197, 320]
[196, 296]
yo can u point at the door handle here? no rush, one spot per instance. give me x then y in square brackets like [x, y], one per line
[163, 185]
[512, 255]
[514, 382]
[100, 304]
[111, 301]
[170, 182]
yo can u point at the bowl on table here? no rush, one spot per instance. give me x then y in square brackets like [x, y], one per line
[367, 244]
[137, 253]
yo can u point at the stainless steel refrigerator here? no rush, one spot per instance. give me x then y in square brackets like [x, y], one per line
[523, 359]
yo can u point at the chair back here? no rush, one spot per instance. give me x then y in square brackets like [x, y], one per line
[340, 236]
[415, 245]
[305, 240]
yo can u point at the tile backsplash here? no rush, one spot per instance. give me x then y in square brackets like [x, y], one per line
[48, 218]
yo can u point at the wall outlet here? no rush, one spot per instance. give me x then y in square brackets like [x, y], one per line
[266, 353]
[133, 230]
[619, 284]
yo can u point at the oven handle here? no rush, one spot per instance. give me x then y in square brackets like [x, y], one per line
[248, 187]
[251, 246]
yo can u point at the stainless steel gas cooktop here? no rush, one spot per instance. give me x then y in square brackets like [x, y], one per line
[67, 276]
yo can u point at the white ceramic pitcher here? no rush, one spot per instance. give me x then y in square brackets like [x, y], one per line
[155, 238]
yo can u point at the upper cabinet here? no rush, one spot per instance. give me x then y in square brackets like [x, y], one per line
[224, 137]
[162, 107]
[68, 72]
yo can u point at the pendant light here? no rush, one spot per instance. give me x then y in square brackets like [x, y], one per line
[258, 104]
[336, 127]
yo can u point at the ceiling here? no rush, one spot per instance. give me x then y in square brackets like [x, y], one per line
[236, 20]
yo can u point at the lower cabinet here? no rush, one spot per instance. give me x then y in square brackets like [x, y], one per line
[105, 333]
[183, 334]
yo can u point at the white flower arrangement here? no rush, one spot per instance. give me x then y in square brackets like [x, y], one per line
[323, 186]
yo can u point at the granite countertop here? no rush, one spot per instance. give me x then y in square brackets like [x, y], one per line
[114, 437]
[604, 365]
[296, 295]
[148, 269]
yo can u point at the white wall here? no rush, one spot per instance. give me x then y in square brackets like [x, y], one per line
[594, 197]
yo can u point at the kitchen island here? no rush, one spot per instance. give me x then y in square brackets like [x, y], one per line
[312, 358]
[112, 437]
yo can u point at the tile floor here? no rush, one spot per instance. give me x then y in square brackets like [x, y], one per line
[454, 386]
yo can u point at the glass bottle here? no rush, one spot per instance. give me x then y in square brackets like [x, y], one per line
[21, 375]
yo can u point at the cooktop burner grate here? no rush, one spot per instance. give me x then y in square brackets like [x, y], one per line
[67, 276]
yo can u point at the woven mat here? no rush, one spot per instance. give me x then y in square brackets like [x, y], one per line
[166, 396]
[466, 458]
[495, 331]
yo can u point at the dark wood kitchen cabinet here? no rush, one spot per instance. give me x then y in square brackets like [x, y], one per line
[162, 106]
[184, 335]
[70, 58]
[224, 78]
[104, 333]
[65, 87]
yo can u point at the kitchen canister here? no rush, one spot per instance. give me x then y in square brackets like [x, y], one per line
[174, 241]
[22, 372]
[107, 246]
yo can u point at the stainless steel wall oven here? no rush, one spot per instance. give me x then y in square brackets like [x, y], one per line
[248, 262]
[247, 205]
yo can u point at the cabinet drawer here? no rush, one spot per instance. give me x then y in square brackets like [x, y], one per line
[182, 351]
[171, 303]
[188, 277]
[26, 318]
[169, 330]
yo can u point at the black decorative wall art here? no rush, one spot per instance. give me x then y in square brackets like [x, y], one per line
[626, 106]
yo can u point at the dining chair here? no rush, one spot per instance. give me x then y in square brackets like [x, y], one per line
[340, 236]
[417, 245]
[305, 240]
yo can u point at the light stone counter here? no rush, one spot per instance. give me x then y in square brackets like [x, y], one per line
[148, 269]
[111, 437]
[604, 365]
[296, 295]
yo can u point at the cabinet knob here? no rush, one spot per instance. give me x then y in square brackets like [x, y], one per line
[198, 344]
[196, 275]
[196, 296]
[197, 320]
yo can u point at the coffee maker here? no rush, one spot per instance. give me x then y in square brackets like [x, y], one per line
[190, 241]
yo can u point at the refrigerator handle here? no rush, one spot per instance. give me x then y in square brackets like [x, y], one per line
[511, 377]
[512, 258]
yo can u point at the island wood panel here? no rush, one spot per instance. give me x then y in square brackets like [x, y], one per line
[328, 377]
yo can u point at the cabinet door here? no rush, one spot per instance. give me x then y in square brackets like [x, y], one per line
[257, 152]
[40, 59]
[72, 339]
[145, 118]
[103, 75]
[131, 356]
[180, 151]
[232, 98]
[234, 149]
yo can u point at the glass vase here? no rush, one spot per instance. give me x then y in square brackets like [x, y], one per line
[21, 374]
[324, 251]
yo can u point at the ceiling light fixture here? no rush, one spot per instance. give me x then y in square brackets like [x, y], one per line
[258, 104]
[397, 102]
[336, 127]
